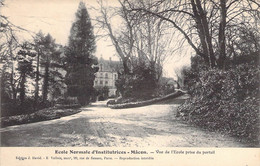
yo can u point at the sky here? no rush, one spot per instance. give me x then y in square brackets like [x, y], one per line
[56, 17]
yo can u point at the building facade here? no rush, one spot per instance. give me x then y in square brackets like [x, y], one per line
[107, 75]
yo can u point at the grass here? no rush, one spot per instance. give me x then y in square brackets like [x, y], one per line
[41, 115]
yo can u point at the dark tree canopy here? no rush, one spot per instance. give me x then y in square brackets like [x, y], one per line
[80, 57]
[25, 67]
[82, 39]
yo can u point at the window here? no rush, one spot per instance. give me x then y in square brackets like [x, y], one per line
[106, 82]
[96, 82]
[106, 75]
[101, 75]
[101, 82]
[115, 77]
[101, 65]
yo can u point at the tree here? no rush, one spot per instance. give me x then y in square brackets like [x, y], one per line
[203, 24]
[123, 40]
[25, 67]
[102, 93]
[9, 60]
[142, 43]
[49, 58]
[80, 57]
[9, 45]
[152, 42]
[139, 39]
[56, 72]
[38, 41]
[243, 46]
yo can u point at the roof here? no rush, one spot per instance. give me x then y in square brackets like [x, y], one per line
[109, 65]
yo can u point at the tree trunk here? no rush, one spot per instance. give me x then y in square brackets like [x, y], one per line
[116, 43]
[12, 83]
[22, 88]
[46, 82]
[36, 96]
[222, 38]
[126, 69]
[14, 92]
[204, 35]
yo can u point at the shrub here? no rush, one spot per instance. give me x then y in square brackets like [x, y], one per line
[66, 101]
[9, 109]
[165, 90]
[226, 101]
[16, 108]
[103, 93]
[141, 83]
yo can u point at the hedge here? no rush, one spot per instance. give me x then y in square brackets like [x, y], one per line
[226, 101]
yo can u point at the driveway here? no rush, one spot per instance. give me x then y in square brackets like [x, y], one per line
[100, 126]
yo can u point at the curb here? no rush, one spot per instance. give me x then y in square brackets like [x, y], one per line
[147, 102]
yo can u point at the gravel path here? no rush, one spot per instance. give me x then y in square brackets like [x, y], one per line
[97, 125]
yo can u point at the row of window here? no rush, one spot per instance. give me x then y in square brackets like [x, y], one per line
[106, 75]
[101, 82]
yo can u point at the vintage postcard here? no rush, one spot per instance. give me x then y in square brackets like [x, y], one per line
[143, 82]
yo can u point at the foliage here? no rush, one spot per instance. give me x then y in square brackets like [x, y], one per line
[226, 101]
[139, 84]
[20, 66]
[5, 95]
[19, 71]
[79, 57]
[80, 83]
[191, 74]
[140, 40]
[42, 115]
[165, 90]
[102, 93]
[25, 67]
[12, 107]
[50, 60]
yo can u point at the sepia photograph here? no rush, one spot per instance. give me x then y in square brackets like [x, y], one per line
[130, 74]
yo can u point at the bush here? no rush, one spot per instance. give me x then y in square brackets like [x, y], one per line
[140, 84]
[191, 74]
[226, 101]
[102, 92]
[66, 101]
[165, 90]
[9, 109]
